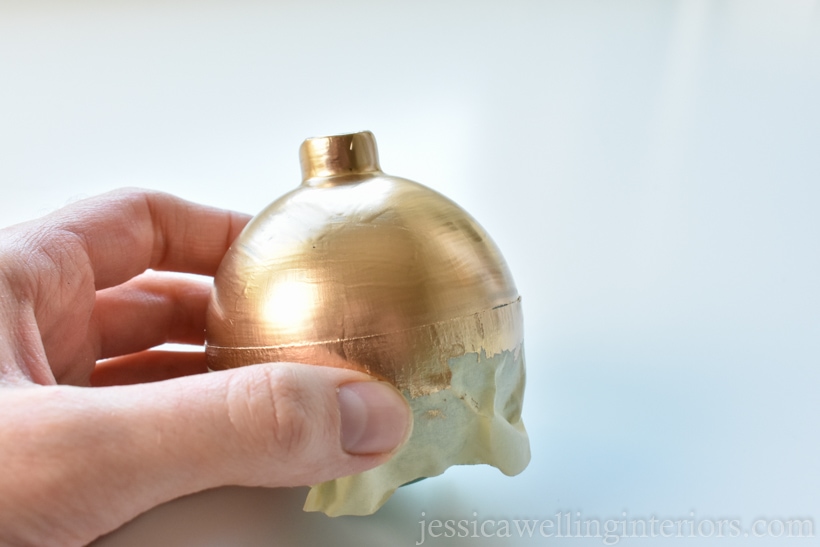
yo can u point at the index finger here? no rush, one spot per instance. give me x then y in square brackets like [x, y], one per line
[126, 232]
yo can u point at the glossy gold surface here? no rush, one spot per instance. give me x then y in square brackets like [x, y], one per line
[359, 269]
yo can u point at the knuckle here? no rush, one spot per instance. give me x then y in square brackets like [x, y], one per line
[134, 193]
[290, 413]
[278, 414]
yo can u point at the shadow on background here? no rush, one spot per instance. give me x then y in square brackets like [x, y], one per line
[254, 516]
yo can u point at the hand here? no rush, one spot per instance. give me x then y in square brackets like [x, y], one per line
[78, 461]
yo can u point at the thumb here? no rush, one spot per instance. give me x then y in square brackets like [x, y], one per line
[119, 451]
[278, 424]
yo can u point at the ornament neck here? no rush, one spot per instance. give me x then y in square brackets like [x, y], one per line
[324, 158]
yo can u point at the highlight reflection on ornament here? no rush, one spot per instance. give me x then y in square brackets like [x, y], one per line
[363, 270]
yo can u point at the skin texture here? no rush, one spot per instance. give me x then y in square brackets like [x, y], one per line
[84, 294]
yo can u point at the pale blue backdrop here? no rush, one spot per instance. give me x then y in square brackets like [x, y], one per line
[651, 171]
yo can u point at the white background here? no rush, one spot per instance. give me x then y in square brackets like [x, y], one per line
[651, 171]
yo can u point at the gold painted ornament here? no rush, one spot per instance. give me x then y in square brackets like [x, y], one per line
[363, 270]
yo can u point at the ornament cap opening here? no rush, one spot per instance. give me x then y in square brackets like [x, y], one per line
[333, 156]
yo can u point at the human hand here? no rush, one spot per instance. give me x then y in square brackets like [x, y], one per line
[78, 461]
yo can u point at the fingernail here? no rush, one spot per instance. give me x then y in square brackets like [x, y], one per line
[375, 417]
